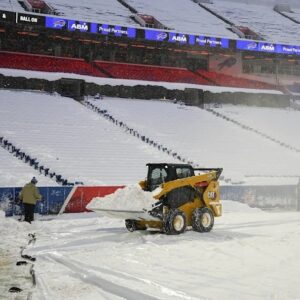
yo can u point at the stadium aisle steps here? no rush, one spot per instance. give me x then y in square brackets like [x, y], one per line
[32, 162]
[143, 137]
[245, 127]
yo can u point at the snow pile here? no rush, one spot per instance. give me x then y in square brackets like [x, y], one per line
[13, 232]
[238, 207]
[131, 198]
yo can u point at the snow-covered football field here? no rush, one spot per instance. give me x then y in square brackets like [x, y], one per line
[250, 254]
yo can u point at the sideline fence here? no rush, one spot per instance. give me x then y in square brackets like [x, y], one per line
[74, 199]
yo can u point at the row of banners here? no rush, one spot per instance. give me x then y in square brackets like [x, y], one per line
[58, 23]
[57, 200]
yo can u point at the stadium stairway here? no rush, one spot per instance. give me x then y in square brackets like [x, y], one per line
[160, 147]
[258, 132]
[96, 66]
[32, 162]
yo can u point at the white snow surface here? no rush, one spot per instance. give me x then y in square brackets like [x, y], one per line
[83, 146]
[250, 254]
[131, 198]
[184, 16]
[260, 18]
[128, 82]
[212, 141]
[72, 140]
[295, 14]
[14, 172]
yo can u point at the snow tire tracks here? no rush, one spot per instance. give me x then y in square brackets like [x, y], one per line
[92, 278]
[95, 276]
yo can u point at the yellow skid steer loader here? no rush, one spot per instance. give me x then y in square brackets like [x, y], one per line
[184, 198]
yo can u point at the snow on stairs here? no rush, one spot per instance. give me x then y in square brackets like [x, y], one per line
[32, 162]
[245, 127]
[144, 138]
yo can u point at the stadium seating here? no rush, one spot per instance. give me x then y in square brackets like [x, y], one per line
[123, 70]
[151, 73]
[47, 64]
[230, 81]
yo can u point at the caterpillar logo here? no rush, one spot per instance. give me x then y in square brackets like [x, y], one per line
[212, 195]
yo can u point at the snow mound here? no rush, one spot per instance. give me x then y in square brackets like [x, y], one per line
[13, 231]
[131, 198]
[235, 206]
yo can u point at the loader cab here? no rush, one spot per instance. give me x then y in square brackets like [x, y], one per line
[161, 173]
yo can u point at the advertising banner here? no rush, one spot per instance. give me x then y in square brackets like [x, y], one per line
[84, 194]
[113, 30]
[30, 19]
[267, 47]
[172, 37]
[7, 16]
[56, 23]
[78, 26]
[74, 199]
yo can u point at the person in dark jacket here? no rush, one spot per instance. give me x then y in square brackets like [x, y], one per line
[29, 196]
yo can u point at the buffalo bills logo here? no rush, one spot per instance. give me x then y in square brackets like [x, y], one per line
[252, 46]
[161, 36]
[59, 24]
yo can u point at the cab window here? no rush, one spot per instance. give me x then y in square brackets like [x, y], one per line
[183, 172]
[158, 176]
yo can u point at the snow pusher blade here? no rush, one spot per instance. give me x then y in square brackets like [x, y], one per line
[137, 215]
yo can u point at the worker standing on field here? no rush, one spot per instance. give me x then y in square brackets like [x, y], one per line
[29, 196]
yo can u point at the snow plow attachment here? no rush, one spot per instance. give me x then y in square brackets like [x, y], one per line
[180, 196]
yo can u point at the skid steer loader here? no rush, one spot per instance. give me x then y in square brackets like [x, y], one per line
[184, 198]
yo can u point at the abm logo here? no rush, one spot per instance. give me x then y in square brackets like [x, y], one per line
[269, 47]
[182, 38]
[83, 27]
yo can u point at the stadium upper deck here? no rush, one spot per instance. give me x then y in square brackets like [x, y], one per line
[182, 16]
[108, 11]
[295, 14]
[272, 26]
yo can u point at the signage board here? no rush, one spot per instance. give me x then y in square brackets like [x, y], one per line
[30, 19]
[78, 26]
[7, 16]
[267, 47]
[56, 23]
[172, 37]
[113, 30]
